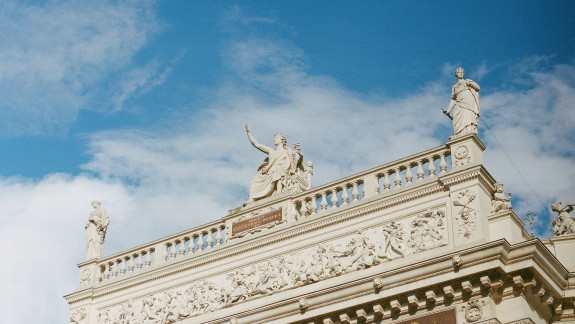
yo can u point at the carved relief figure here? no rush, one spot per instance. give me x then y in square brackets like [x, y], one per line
[565, 223]
[96, 231]
[466, 218]
[361, 250]
[500, 201]
[465, 105]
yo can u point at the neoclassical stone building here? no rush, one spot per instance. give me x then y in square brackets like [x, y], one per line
[429, 238]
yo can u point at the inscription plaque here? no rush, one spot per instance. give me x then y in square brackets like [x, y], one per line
[257, 221]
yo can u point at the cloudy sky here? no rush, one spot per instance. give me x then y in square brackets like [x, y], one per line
[142, 105]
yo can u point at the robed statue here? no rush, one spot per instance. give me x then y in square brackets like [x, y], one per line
[465, 105]
[282, 170]
[96, 231]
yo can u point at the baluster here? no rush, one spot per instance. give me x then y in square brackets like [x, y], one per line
[344, 196]
[209, 239]
[420, 172]
[355, 193]
[323, 203]
[408, 174]
[200, 242]
[218, 236]
[442, 164]
[123, 267]
[334, 199]
[313, 206]
[182, 250]
[302, 208]
[173, 251]
[397, 179]
[99, 274]
[148, 258]
[114, 268]
[106, 271]
[131, 263]
[431, 168]
[166, 252]
[386, 182]
[140, 261]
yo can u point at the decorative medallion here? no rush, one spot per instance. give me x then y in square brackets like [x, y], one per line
[461, 156]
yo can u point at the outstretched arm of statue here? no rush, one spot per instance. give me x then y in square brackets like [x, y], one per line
[451, 104]
[255, 143]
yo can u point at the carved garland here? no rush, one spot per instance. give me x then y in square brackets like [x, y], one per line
[361, 250]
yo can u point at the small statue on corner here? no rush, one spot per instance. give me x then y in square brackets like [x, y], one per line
[500, 201]
[96, 231]
[565, 223]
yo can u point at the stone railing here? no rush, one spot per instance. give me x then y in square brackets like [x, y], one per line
[169, 249]
[380, 180]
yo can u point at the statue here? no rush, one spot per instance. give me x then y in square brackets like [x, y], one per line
[282, 170]
[96, 231]
[565, 223]
[500, 201]
[465, 105]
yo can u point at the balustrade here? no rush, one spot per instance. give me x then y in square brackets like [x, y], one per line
[335, 195]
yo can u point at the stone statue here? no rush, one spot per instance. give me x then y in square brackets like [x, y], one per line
[96, 231]
[500, 201]
[282, 170]
[565, 223]
[465, 105]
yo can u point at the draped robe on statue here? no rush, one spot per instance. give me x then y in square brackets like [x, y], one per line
[275, 168]
[466, 107]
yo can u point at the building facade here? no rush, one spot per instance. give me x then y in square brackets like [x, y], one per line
[429, 238]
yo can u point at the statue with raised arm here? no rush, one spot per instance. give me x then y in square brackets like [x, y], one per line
[273, 173]
[96, 231]
[565, 223]
[465, 105]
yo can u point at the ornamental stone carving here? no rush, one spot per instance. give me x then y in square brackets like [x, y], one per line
[473, 310]
[360, 250]
[500, 201]
[461, 156]
[283, 169]
[465, 105]
[96, 231]
[457, 261]
[85, 278]
[565, 223]
[467, 216]
[303, 303]
[78, 315]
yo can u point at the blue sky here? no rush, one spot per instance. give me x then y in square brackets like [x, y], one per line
[142, 105]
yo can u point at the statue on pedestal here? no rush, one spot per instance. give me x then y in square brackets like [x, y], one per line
[565, 223]
[96, 231]
[465, 105]
[282, 170]
[500, 201]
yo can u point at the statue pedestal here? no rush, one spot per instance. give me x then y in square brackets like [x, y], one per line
[466, 150]
[562, 247]
[506, 224]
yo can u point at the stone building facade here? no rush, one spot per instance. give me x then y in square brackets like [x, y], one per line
[429, 238]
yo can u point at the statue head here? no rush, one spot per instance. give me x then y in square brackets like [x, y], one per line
[96, 203]
[460, 73]
[279, 138]
[556, 207]
[499, 187]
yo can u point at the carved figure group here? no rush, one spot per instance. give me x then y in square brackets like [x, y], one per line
[500, 201]
[465, 105]
[96, 231]
[565, 223]
[281, 171]
[361, 250]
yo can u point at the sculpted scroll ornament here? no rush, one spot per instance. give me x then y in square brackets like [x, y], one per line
[467, 216]
[361, 250]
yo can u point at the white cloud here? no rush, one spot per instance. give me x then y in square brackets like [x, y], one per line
[54, 53]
